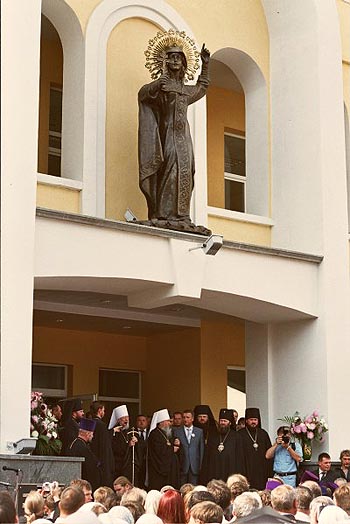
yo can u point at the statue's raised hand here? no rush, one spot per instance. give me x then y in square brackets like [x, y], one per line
[163, 81]
[205, 54]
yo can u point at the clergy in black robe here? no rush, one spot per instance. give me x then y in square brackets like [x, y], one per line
[204, 419]
[101, 444]
[126, 455]
[256, 442]
[163, 464]
[224, 452]
[72, 414]
[80, 447]
[124, 445]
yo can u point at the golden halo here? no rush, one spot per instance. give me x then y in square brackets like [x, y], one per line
[157, 49]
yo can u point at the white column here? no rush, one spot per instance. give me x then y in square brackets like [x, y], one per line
[289, 368]
[309, 204]
[20, 50]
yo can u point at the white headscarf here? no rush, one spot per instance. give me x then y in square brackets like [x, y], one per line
[152, 501]
[148, 518]
[331, 514]
[120, 512]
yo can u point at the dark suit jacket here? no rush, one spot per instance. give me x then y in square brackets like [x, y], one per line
[340, 473]
[192, 453]
[330, 477]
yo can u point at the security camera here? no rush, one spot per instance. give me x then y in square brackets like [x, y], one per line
[212, 245]
[129, 216]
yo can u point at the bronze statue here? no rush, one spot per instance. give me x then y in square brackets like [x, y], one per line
[166, 161]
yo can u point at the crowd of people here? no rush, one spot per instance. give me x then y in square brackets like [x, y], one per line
[185, 468]
[217, 502]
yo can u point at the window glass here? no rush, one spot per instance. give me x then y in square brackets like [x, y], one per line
[234, 155]
[55, 118]
[234, 195]
[52, 377]
[120, 387]
[54, 165]
[50, 380]
[235, 172]
[122, 384]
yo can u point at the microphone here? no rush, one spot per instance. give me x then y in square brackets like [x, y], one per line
[5, 468]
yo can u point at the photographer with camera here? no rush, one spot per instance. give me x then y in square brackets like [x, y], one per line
[286, 455]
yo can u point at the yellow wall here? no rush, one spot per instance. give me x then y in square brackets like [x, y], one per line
[126, 73]
[125, 67]
[225, 111]
[172, 379]
[226, 27]
[233, 23]
[83, 9]
[58, 198]
[86, 352]
[51, 71]
[344, 21]
[222, 345]
[179, 369]
[238, 231]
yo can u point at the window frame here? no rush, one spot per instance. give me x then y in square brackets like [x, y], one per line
[122, 400]
[54, 151]
[49, 392]
[234, 177]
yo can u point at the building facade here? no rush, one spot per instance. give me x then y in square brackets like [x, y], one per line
[129, 312]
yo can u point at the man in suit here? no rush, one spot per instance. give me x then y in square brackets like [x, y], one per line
[192, 449]
[142, 426]
[343, 471]
[324, 471]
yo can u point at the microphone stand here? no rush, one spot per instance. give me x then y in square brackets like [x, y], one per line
[17, 485]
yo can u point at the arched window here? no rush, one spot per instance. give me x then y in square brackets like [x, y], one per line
[61, 114]
[238, 142]
[50, 106]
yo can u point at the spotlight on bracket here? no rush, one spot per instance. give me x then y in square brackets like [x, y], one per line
[25, 446]
[211, 246]
[129, 216]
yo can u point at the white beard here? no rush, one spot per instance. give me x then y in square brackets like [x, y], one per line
[167, 431]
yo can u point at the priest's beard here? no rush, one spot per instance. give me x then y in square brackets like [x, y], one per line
[223, 430]
[204, 426]
[125, 428]
[167, 432]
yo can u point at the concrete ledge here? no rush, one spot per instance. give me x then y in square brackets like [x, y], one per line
[66, 183]
[153, 231]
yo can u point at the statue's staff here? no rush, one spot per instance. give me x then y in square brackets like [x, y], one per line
[132, 441]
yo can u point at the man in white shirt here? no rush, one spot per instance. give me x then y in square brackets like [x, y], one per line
[192, 449]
